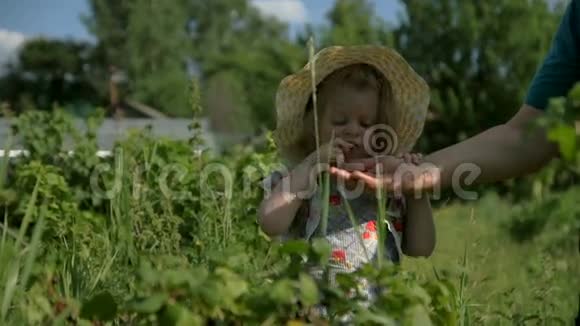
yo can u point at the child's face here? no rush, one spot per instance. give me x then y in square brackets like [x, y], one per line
[349, 112]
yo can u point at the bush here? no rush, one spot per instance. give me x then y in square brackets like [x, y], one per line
[156, 234]
[531, 217]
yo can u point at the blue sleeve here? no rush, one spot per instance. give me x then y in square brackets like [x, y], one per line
[561, 67]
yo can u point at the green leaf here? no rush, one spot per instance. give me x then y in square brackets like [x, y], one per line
[296, 247]
[322, 249]
[574, 95]
[8, 196]
[366, 317]
[177, 315]
[308, 290]
[565, 136]
[346, 280]
[177, 279]
[283, 292]
[146, 273]
[417, 316]
[234, 286]
[149, 305]
[421, 294]
[101, 307]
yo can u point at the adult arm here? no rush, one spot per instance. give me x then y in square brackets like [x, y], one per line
[505, 151]
[508, 150]
[502, 152]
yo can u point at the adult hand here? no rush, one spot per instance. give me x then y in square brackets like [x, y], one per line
[401, 175]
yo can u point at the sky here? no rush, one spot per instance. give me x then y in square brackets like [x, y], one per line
[21, 19]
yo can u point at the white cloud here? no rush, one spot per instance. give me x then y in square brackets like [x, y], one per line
[290, 11]
[10, 41]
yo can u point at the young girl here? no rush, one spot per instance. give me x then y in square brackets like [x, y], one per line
[357, 88]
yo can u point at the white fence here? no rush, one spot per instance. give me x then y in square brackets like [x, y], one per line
[19, 152]
[113, 130]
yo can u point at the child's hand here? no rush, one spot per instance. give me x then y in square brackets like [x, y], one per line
[412, 158]
[425, 178]
[388, 164]
[332, 153]
[385, 164]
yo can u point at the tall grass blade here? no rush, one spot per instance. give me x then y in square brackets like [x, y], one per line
[105, 270]
[324, 177]
[464, 319]
[4, 233]
[33, 248]
[30, 208]
[312, 60]
[382, 217]
[9, 288]
[121, 204]
[4, 162]
[227, 219]
[326, 193]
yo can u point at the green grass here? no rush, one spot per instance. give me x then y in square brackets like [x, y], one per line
[504, 282]
[499, 281]
[141, 257]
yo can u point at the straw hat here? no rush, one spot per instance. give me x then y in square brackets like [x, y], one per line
[406, 115]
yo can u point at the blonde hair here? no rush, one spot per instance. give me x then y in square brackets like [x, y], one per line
[356, 76]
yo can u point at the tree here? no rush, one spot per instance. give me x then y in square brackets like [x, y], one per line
[108, 22]
[148, 40]
[51, 72]
[243, 55]
[158, 50]
[354, 22]
[226, 40]
[478, 58]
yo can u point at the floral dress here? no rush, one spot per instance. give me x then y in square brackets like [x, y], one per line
[348, 253]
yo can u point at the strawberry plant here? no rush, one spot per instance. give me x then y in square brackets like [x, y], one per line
[161, 233]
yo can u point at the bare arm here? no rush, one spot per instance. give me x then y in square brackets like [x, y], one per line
[277, 211]
[419, 233]
[505, 151]
[502, 152]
